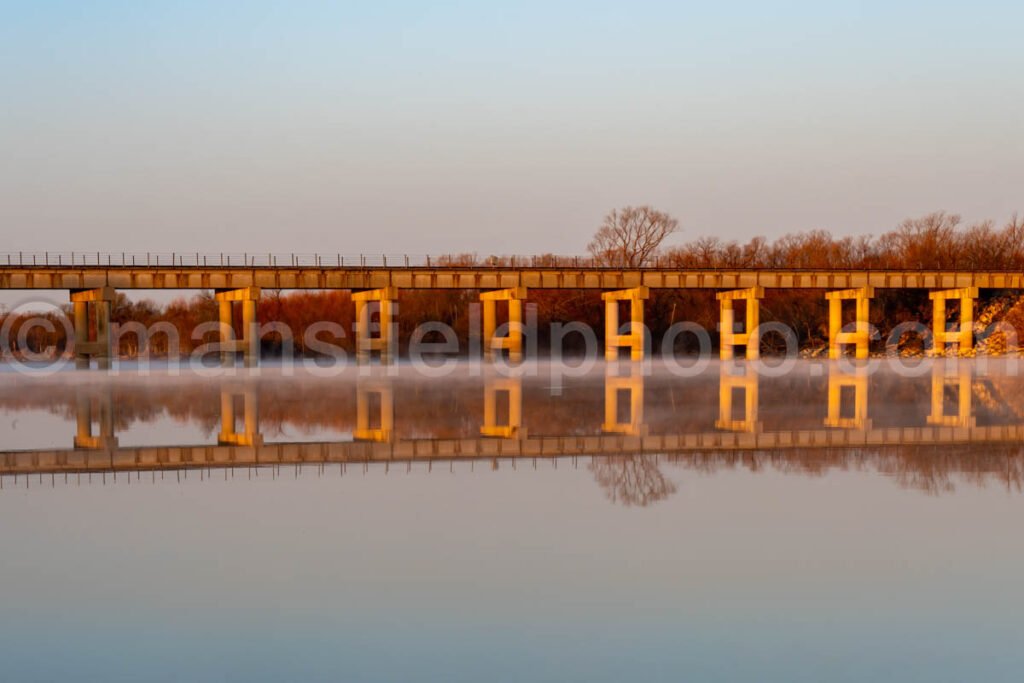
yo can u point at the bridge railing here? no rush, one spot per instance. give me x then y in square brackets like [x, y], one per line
[98, 259]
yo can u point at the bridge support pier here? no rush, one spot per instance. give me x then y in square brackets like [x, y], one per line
[861, 336]
[229, 434]
[732, 379]
[729, 338]
[249, 343]
[840, 383]
[621, 391]
[368, 393]
[636, 338]
[963, 337]
[961, 381]
[98, 302]
[366, 343]
[513, 340]
[512, 428]
[85, 437]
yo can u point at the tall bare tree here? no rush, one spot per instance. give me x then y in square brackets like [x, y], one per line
[629, 237]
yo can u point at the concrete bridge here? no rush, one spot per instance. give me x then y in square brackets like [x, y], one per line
[93, 279]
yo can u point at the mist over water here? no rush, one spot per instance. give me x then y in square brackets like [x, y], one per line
[835, 522]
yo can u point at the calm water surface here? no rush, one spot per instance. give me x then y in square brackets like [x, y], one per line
[834, 523]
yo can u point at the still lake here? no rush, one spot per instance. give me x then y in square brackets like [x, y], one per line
[832, 523]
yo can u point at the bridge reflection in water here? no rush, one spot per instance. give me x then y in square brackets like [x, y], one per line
[682, 428]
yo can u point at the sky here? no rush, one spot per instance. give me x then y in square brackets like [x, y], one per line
[496, 128]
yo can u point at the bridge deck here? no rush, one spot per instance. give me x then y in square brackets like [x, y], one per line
[483, 277]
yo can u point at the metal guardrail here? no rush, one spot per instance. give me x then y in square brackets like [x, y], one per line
[153, 259]
[93, 259]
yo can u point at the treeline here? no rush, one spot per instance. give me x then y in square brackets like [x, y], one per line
[936, 241]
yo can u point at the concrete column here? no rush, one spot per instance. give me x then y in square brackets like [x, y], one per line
[227, 333]
[749, 338]
[938, 322]
[99, 301]
[103, 338]
[963, 337]
[513, 340]
[611, 329]
[861, 336]
[248, 343]
[967, 320]
[636, 338]
[81, 333]
[384, 343]
[727, 325]
[490, 324]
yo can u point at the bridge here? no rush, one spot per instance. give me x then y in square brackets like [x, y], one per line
[237, 280]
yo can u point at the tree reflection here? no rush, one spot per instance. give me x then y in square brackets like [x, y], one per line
[632, 479]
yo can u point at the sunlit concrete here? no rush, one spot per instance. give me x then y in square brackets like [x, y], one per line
[963, 336]
[860, 337]
[248, 342]
[636, 339]
[386, 300]
[512, 341]
[749, 338]
[97, 302]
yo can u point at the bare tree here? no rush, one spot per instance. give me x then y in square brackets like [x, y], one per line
[629, 237]
[632, 479]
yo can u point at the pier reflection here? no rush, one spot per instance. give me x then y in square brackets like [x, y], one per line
[230, 434]
[738, 379]
[951, 395]
[631, 424]
[94, 418]
[624, 401]
[375, 409]
[503, 396]
[848, 397]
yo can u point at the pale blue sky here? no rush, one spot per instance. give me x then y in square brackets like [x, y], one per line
[456, 126]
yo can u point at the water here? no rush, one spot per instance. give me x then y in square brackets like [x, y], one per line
[616, 527]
